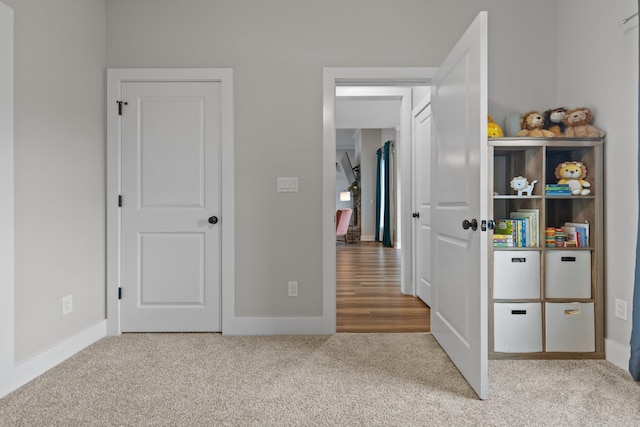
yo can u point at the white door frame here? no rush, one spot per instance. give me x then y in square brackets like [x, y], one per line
[115, 78]
[408, 76]
[7, 287]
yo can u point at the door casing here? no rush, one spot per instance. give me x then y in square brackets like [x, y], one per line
[115, 79]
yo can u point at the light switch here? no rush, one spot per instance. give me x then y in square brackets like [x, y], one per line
[287, 184]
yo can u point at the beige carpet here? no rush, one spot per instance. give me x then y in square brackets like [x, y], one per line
[338, 380]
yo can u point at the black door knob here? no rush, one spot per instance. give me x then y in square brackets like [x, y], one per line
[213, 220]
[416, 215]
[473, 224]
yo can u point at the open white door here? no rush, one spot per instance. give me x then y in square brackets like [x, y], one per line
[459, 195]
[421, 124]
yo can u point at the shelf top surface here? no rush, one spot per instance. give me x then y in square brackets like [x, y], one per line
[548, 142]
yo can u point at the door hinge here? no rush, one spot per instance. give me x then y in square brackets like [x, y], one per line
[120, 103]
[119, 200]
[120, 292]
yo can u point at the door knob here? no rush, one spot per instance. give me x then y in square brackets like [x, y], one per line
[416, 215]
[473, 224]
[213, 220]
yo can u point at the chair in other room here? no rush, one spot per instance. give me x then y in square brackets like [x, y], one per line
[343, 218]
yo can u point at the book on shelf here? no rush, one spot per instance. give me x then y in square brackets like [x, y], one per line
[577, 233]
[514, 227]
[532, 224]
[557, 190]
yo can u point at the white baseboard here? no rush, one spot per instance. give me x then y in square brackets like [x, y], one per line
[26, 371]
[364, 238]
[281, 326]
[617, 353]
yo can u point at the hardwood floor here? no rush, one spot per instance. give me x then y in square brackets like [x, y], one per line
[368, 296]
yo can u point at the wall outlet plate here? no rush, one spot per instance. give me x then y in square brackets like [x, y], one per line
[621, 309]
[293, 289]
[67, 304]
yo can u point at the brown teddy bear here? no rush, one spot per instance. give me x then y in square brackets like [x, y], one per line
[578, 123]
[531, 124]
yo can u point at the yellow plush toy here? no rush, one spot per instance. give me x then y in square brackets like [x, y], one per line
[574, 173]
[493, 129]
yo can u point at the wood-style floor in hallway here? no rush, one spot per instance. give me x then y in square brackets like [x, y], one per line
[368, 292]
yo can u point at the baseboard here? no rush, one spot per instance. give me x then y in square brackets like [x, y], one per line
[617, 353]
[281, 326]
[26, 371]
[364, 238]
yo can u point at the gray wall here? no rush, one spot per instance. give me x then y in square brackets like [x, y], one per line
[278, 50]
[598, 68]
[59, 169]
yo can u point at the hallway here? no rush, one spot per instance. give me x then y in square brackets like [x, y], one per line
[368, 292]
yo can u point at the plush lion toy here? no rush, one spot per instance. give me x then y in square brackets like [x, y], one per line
[578, 123]
[553, 121]
[531, 124]
[574, 173]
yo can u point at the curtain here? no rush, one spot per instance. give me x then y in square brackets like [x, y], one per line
[634, 360]
[386, 231]
[379, 192]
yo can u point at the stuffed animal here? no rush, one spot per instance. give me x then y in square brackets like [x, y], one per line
[574, 173]
[578, 122]
[531, 124]
[493, 129]
[553, 121]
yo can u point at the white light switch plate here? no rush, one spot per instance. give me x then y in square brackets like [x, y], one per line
[287, 184]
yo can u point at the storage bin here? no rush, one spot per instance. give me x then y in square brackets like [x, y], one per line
[570, 327]
[517, 327]
[516, 274]
[567, 274]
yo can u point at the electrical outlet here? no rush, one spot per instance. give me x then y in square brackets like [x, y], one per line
[293, 289]
[621, 309]
[67, 304]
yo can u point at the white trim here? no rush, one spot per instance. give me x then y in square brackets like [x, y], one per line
[7, 274]
[617, 353]
[367, 238]
[281, 326]
[413, 76]
[115, 78]
[42, 362]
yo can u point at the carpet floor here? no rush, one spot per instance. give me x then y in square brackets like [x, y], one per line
[336, 380]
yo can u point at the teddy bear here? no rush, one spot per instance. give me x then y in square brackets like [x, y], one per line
[573, 173]
[531, 124]
[553, 121]
[578, 123]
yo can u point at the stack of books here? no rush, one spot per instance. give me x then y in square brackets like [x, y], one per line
[520, 230]
[557, 190]
[570, 235]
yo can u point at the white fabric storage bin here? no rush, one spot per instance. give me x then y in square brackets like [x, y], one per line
[517, 327]
[570, 327]
[516, 274]
[567, 274]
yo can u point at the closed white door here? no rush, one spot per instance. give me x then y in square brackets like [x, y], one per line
[171, 200]
[460, 199]
[421, 124]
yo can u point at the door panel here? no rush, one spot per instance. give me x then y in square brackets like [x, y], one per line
[422, 200]
[459, 183]
[171, 142]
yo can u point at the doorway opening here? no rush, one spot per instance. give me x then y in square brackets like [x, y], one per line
[371, 111]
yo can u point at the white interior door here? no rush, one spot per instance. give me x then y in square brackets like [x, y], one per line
[421, 124]
[459, 178]
[171, 147]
